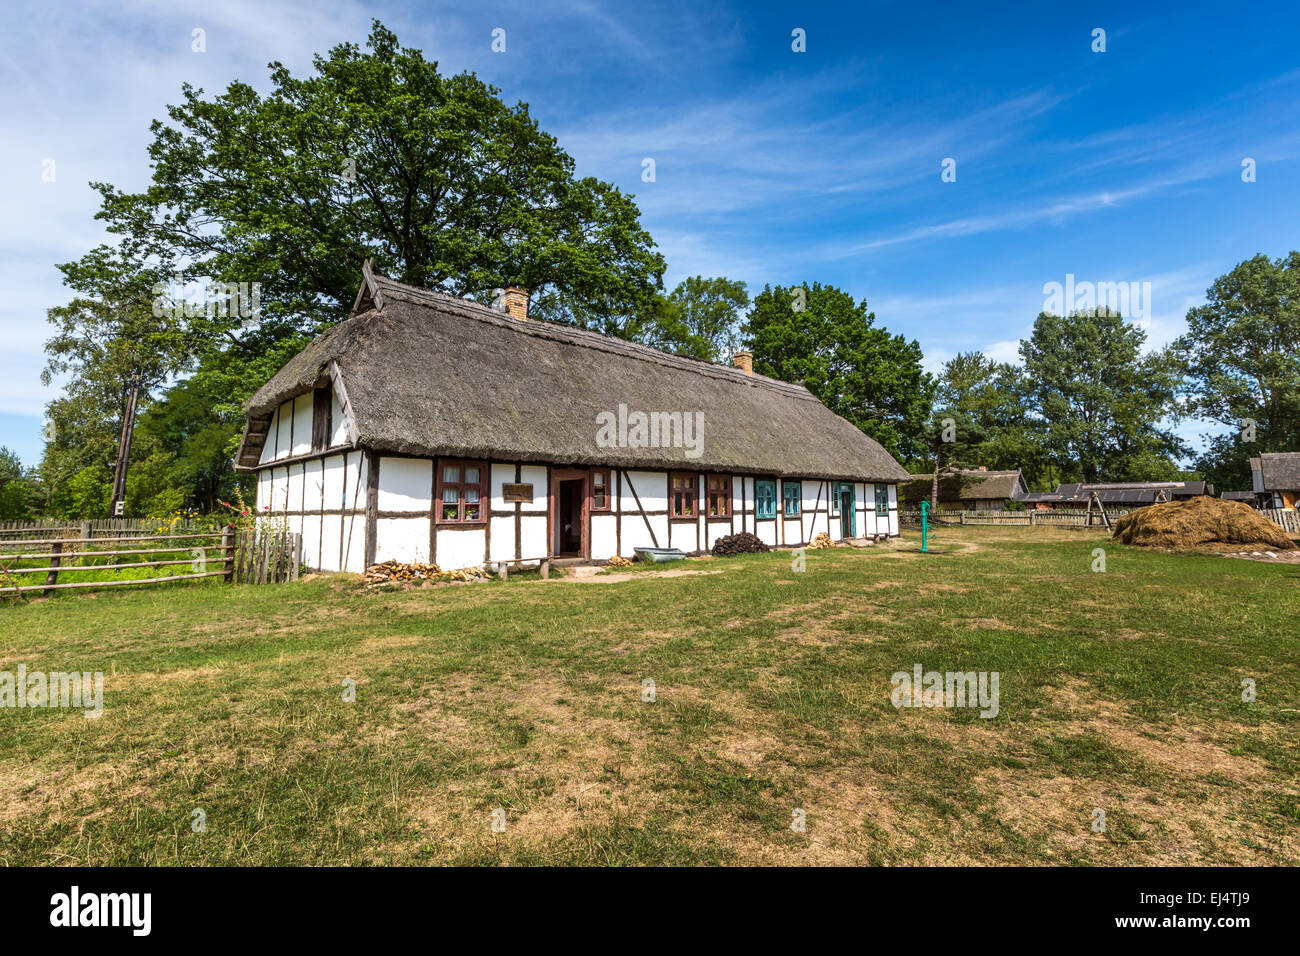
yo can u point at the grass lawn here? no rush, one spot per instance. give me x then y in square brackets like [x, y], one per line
[1119, 690]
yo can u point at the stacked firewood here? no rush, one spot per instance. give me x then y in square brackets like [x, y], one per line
[820, 540]
[743, 543]
[618, 561]
[395, 572]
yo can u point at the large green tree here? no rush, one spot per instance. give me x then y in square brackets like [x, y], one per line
[120, 329]
[993, 397]
[700, 318]
[1101, 404]
[379, 155]
[820, 336]
[1241, 355]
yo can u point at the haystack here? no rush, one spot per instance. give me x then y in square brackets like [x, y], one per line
[1206, 524]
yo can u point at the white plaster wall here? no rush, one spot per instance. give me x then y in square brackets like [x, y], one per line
[355, 477]
[263, 491]
[293, 501]
[532, 530]
[405, 484]
[339, 435]
[302, 415]
[354, 543]
[311, 541]
[459, 547]
[767, 533]
[283, 415]
[401, 539]
[333, 472]
[503, 537]
[331, 542]
[604, 536]
[651, 487]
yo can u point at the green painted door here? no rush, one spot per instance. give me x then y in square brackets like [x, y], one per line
[848, 520]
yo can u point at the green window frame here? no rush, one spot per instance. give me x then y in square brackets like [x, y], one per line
[765, 499]
[792, 492]
[882, 500]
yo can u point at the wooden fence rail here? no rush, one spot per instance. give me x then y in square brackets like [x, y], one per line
[255, 556]
[1057, 517]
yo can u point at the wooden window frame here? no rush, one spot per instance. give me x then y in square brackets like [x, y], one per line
[723, 495]
[461, 486]
[693, 479]
[885, 497]
[759, 516]
[608, 492]
[785, 497]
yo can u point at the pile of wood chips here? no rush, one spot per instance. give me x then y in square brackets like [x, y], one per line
[820, 540]
[396, 572]
[618, 561]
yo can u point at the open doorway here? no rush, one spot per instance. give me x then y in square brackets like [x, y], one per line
[569, 508]
[569, 511]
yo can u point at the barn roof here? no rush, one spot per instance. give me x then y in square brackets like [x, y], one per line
[1280, 470]
[429, 374]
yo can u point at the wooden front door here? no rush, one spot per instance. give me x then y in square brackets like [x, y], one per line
[847, 517]
[570, 512]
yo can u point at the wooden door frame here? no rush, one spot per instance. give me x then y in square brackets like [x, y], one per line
[840, 488]
[559, 475]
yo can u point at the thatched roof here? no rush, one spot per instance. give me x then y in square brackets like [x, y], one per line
[429, 374]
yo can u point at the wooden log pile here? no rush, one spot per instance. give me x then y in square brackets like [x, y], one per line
[398, 572]
[743, 543]
[618, 561]
[820, 540]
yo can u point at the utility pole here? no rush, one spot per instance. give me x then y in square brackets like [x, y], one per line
[118, 506]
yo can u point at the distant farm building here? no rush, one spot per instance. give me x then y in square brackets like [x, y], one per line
[1275, 479]
[1120, 494]
[967, 489]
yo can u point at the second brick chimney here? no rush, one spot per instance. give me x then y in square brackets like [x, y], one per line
[515, 301]
[744, 361]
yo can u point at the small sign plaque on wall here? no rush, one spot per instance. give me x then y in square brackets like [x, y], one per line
[513, 493]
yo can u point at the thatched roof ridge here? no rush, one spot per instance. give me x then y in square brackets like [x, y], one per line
[430, 374]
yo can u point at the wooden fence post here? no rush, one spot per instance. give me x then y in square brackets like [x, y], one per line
[297, 557]
[55, 561]
[228, 552]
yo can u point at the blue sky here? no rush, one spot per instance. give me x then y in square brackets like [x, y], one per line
[771, 166]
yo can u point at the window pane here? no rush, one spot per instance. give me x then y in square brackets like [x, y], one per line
[450, 512]
[471, 475]
[451, 473]
[471, 512]
[598, 500]
[471, 495]
[598, 480]
[451, 494]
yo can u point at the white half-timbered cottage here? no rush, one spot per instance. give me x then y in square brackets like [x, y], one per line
[435, 429]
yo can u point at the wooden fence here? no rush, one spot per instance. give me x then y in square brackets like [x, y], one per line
[102, 527]
[1057, 517]
[262, 556]
[1287, 518]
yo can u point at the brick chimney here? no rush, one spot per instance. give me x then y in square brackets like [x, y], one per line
[515, 301]
[744, 361]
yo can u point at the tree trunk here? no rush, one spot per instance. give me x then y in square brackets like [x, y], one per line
[934, 483]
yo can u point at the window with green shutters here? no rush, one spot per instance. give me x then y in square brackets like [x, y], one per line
[765, 499]
[882, 499]
[793, 498]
